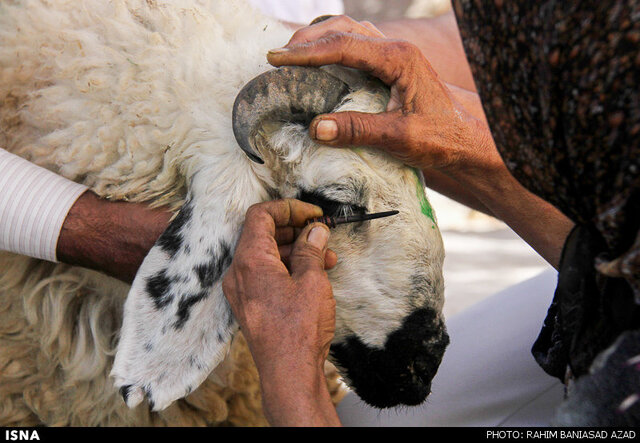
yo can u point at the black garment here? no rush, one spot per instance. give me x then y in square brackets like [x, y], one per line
[560, 85]
[589, 310]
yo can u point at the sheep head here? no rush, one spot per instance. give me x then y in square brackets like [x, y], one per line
[388, 286]
[390, 335]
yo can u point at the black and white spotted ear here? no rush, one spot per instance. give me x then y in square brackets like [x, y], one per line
[177, 324]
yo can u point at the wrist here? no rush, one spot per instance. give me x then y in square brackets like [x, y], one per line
[535, 220]
[474, 157]
[479, 166]
[112, 237]
[293, 366]
[75, 231]
[297, 397]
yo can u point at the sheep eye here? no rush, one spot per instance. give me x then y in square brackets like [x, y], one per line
[329, 206]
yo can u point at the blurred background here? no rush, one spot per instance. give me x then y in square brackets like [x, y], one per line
[380, 10]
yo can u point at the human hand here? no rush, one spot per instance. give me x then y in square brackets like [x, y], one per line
[287, 315]
[428, 124]
[425, 125]
[111, 237]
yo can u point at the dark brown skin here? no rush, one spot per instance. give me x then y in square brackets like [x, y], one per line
[286, 314]
[111, 237]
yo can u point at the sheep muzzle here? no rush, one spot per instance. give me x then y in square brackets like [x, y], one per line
[401, 372]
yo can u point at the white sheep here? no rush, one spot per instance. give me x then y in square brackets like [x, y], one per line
[134, 99]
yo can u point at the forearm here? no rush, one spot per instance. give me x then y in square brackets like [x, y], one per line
[297, 396]
[445, 185]
[500, 195]
[536, 221]
[112, 237]
[484, 181]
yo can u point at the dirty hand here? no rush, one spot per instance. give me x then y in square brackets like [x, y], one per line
[287, 314]
[425, 124]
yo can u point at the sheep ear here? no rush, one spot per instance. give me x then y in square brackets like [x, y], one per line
[177, 324]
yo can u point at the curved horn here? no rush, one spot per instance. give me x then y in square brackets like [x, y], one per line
[290, 93]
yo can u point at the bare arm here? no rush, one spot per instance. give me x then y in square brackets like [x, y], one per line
[112, 237]
[496, 192]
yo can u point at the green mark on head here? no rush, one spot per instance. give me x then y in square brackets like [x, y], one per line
[425, 207]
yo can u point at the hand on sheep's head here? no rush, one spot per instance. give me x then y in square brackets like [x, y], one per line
[427, 123]
[286, 314]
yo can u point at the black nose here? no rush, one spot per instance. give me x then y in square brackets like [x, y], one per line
[401, 372]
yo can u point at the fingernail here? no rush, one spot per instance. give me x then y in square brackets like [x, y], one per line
[326, 130]
[278, 50]
[318, 237]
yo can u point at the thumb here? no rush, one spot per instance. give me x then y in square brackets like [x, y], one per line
[352, 128]
[309, 250]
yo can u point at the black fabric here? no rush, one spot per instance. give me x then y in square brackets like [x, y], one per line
[607, 396]
[588, 312]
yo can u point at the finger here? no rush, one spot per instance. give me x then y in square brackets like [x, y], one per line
[382, 58]
[285, 252]
[309, 250]
[258, 237]
[324, 25]
[360, 129]
[285, 235]
[263, 218]
[372, 28]
[330, 257]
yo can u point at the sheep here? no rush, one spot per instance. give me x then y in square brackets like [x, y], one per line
[135, 99]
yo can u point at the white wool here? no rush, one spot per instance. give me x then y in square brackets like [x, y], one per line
[130, 94]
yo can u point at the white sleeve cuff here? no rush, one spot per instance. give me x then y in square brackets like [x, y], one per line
[34, 203]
